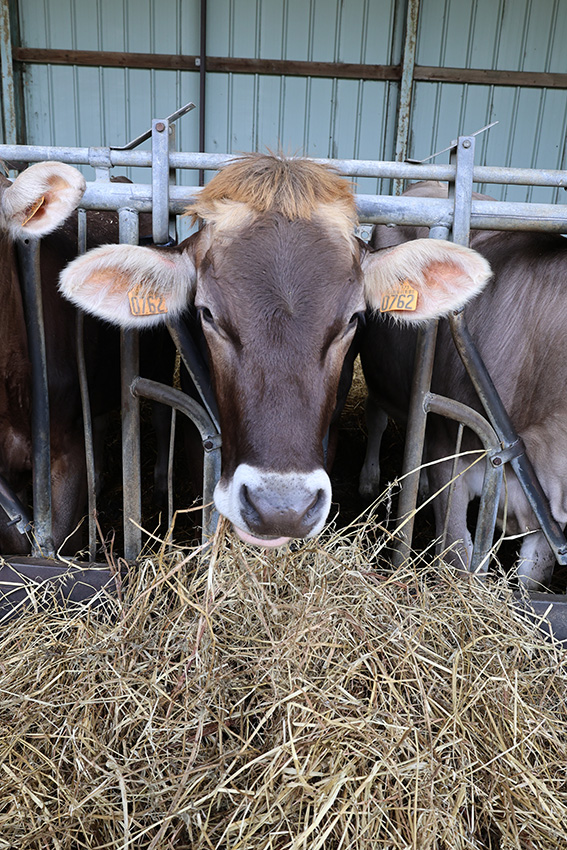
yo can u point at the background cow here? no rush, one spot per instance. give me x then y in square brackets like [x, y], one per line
[35, 204]
[279, 280]
[519, 325]
[40, 203]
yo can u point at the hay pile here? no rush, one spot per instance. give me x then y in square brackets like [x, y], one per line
[310, 699]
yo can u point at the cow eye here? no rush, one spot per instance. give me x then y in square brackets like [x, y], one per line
[206, 316]
[355, 320]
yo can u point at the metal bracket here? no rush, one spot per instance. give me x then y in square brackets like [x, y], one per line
[508, 453]
[183, 110]
[212, 442]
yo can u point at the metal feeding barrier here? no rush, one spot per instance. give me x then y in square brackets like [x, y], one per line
[164, 199]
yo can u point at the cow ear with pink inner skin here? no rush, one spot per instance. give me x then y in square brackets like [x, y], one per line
[423, 279]
[40, 199]
[130, 285]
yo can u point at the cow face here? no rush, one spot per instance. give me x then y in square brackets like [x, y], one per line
[278, 280]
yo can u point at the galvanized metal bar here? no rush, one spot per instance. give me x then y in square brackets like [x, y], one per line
[414, 441]
[85, 402]
[87, 434]
[349, 167]
[172, 430]
[454, 477]
[160, 181]
[415, 432]
[493, 472]
[202, 81]
[129, 369]
[13, 507]
[462, 189]
[460, 194]
[490, 497]
[211, 440]
[406, 88]
[485, 215]
[30, 279]
[7, 70]
[143, 137]
[426, 212]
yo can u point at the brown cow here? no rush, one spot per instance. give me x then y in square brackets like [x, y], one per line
[35, 204]
[519, 327]
[279, 281]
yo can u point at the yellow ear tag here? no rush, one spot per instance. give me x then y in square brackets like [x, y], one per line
[145, 305]
[33, 210]
[403, 298]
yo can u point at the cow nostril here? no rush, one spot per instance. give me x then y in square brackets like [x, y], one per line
[249, 508]
[315, 505]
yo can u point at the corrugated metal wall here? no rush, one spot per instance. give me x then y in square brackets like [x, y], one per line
[317, 116]
[523, 35]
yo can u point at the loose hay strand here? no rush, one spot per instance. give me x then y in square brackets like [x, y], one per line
[280, 700]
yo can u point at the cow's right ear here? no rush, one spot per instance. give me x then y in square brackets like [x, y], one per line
[40, 199]
[423, 279]
[130, 285]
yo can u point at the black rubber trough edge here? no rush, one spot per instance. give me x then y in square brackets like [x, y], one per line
[547, 611]
[43, 585]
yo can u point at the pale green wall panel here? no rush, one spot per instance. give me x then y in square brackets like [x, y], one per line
[522, 35]
[314, 116]
[318, 117]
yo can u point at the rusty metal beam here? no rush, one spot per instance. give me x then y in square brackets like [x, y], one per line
[406, 88]
[7, 72]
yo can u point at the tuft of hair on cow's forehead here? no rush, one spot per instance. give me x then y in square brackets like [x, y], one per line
[258, 183]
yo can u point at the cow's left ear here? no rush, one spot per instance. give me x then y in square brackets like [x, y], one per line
[423, 279]
[132, 286]
[40, 199]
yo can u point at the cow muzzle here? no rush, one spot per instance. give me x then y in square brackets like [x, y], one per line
[270, 508]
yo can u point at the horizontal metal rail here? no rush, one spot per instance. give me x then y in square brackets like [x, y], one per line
[97, 156]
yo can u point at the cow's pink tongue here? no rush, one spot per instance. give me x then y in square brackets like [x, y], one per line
[270, 542]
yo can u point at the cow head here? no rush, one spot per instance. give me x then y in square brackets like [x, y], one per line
[40, 199]
[279, 281]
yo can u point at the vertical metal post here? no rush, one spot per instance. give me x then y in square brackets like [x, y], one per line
[406, 88]
[425, 357]
[28, 257]
[415, 433]
[162, 142]
[129, 369]
[415, 438]
[85, 399]
[164, 231]
[202, 83]
[463, 157]
[7, 70]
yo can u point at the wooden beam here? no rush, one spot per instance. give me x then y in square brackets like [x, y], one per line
[480, 76]
[288, 67]
[225, 64]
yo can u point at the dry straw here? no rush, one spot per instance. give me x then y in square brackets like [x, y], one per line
[310, 699]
